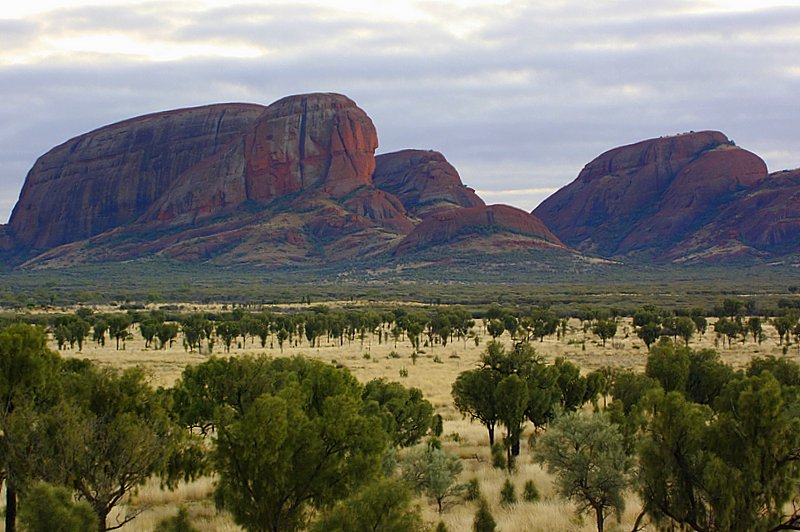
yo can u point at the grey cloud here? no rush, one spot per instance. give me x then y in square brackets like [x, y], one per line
[134, 19]
[16, 34]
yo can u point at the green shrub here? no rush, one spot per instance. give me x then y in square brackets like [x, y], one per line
[179, 523]
[498, 456]
[473, 491]
[508, 495]
[484, 522]
[46, 507]
[530, 492]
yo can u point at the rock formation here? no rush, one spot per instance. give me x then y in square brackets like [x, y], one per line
[298, 143]
[476, 225]
[295, 183]
[654, 199]
[111, 176]
[424, 181]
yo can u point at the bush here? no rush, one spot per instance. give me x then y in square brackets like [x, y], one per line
[508, 495]
[484, 522]
[498, 456]
[179, 523]
[47, 507]
[530, 492]
[473, 492]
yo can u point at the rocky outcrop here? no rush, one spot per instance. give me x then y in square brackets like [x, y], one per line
[768, 218]
[424, 181]
[650, 199]
[762, 222]
[111, 176]
[315, 141]
[476, 225]
[295, 183]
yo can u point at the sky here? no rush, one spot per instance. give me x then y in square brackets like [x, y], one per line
[518, 95]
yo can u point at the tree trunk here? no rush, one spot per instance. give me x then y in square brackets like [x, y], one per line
[490, 428]
[600, 519]
[11, 504]
[102, 515]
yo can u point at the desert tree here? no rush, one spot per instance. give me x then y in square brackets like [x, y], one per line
[587, 456]
[731, 468]
[322, 443]
[511, 398]
[385, 504]
[684, 328]
[120, 435]
[473, 395]
[495, 328]
[408, 415]
[669, 365]
[166, 334]
[432, 471]
[118, 327]
[606, 329]
[28, 385]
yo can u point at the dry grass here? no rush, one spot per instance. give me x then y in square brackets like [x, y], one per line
[434, 373]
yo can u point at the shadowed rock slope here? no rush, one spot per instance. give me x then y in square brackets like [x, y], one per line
[295, 183]
[690, 197]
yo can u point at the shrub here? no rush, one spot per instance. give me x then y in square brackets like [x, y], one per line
[484, 522]
[498, 456]
[47, 507]
[530, 492]
[473, 491]
[179, 523]
[508, 495]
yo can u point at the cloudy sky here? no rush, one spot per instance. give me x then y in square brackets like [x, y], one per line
[518, 95]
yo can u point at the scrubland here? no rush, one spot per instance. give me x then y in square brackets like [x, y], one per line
[434, 371]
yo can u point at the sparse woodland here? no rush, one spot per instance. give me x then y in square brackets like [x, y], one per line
[407, 418]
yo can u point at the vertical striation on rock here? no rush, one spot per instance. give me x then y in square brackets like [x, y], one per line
[320, 142]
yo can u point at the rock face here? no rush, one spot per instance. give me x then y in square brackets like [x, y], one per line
[476, 225]
[761, 222]
[298, 143]
[660, 198]
[424, 181]
[6, 242]
[293, 183]
[111, 176]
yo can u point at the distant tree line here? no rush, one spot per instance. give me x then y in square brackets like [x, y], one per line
[732, 320]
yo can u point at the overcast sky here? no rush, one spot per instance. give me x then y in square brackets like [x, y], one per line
[518, 95]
